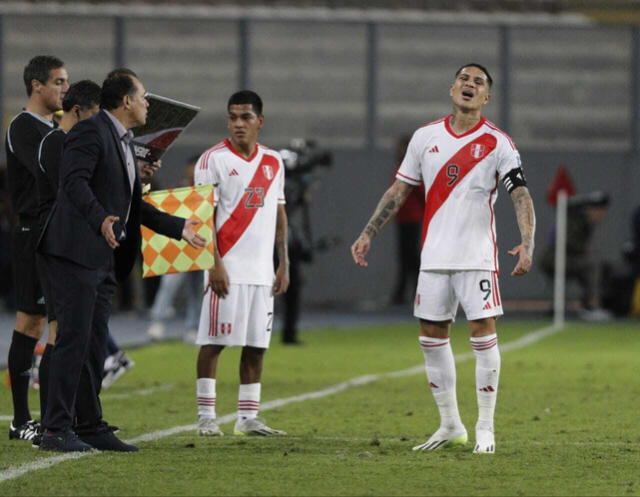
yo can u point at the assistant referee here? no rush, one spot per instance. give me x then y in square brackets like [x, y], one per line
[46, 82]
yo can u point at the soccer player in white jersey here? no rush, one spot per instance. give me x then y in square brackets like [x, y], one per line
[237, 308]
[460, 159]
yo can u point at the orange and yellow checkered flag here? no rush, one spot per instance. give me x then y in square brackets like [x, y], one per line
[164, 255]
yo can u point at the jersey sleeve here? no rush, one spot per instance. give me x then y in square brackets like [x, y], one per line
[23, 140]
[508, 157]
[206, 173]
[50, 156]
[410, 171]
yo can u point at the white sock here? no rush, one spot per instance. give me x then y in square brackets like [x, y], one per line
[487, 376]
[441, 373]
[249, 401]
[206, 392]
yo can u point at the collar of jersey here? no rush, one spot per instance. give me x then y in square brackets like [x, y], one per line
[229, 145]
[472, 130]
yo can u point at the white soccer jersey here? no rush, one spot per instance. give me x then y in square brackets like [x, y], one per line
[460, 174]
[247, 193]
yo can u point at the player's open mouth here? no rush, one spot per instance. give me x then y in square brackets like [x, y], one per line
[467, 95]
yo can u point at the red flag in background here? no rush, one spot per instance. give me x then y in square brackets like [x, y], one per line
[561, 181]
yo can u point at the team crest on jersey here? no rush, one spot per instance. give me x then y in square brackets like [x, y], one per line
[477, 150]
[268, 172]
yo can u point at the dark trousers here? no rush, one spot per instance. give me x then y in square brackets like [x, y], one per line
[82, 300]
[292, 300]
[408, 236]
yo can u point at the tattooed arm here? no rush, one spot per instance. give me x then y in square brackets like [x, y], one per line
[282, 273]
[526, 216]
[389, 204]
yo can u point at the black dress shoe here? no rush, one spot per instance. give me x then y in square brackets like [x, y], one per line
[106, 440]
[63, 441]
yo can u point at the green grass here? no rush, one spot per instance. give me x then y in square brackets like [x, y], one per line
[566, 422]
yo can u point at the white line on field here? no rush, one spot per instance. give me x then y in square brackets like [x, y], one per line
[113, 396]
[142, 393]
[47, 462]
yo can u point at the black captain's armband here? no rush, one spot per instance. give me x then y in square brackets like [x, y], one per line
[514, 178]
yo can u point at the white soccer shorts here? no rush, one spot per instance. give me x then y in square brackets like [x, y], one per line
[243, 318]
[439, 293]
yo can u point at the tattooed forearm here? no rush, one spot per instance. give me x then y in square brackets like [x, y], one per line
[282, 236]
[523, 204]
[389, 204]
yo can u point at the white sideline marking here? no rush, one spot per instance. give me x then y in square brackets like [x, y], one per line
[47, 462]
[113, 396]
[142, 393]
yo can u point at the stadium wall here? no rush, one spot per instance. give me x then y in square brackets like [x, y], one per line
[566, 90]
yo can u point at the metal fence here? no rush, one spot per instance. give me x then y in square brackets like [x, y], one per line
[351, 82]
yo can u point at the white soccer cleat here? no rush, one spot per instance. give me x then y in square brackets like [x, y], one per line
[485, 442]
[208, 427]
[444, 439]
[255, 427]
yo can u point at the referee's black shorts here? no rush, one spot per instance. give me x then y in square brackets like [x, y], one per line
[46, 288]
[29, 295]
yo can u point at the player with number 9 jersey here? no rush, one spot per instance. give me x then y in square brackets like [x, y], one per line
[460, 175]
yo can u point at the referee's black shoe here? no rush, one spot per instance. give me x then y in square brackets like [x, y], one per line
[63, 441]
[103, 438]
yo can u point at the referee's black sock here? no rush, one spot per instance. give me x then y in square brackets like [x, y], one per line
[43, 376]
[20, 357]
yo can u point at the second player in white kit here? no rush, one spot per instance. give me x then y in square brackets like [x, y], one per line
[237, 308]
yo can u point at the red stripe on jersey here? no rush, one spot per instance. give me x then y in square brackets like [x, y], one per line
[431, 345]
[466, 133]
[493, 234]
[408, 177]
[441, 188]
[240, 219]
[215, 315]
[227, 142]
[496, 287]
[495, 128]
[211, 305]
[205, 155]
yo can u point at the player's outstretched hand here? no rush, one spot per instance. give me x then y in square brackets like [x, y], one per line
[190, 235]
[107, 231]
[218, 281]
[360, 248]
[281, 284]
[524, 260]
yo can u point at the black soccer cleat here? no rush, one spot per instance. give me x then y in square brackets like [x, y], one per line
[26, 431]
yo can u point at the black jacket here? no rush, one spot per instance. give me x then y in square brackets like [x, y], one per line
[94, 184]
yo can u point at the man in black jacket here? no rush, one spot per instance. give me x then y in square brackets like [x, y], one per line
[91, 238]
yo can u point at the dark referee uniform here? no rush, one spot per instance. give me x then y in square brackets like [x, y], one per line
[22, 141]
[47, 173]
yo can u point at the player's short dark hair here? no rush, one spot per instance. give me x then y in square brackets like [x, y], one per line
[481, 67]
[38, 68]
[114, 90]
[243, 97]
[120, 71]
[85, 94]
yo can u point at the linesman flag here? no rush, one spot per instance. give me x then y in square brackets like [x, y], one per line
[164, 255]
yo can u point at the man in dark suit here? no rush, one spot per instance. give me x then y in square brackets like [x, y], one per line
[91, 239]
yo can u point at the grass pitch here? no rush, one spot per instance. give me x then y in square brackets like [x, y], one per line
[566, 422]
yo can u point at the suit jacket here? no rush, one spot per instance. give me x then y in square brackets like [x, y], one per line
[93, 185]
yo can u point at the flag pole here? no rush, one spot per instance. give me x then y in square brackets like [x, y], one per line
[559, 282]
